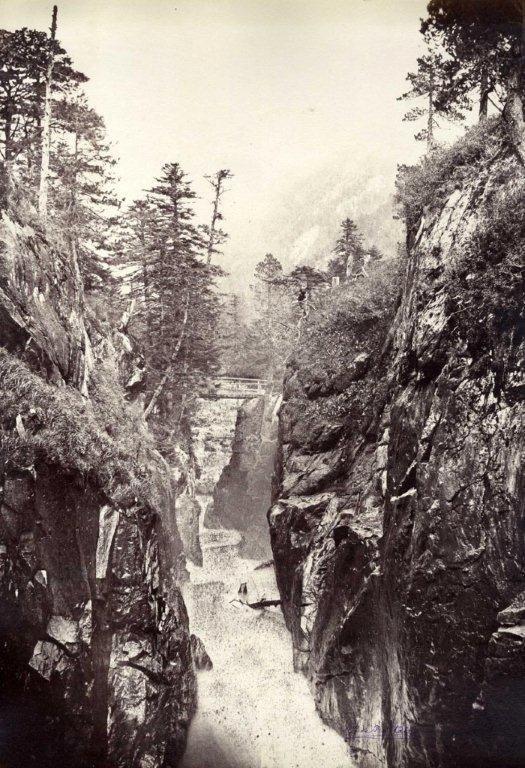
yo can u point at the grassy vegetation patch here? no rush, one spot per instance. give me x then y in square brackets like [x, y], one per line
[485, 287]
[61, 428]
[352, 323]
[446, 168]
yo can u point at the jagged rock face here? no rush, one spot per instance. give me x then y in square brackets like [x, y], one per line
[188, 515]
[188, 507]
[90, 638]
[198, 468]
[95, 655]
[242, 495]
[398, 537]
[213, 430]
[41, 305]
[199, 654]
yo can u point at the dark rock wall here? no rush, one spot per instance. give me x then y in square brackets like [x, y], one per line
[398, 533]
[242, 495]
[95, 656]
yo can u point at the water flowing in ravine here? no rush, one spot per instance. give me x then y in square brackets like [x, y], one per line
[254, 711]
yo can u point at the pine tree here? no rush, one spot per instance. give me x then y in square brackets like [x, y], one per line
[374, 254]
[428, 85]
[46, 123]
[181, 304]
[82, 186]
[269, 279]
[136, 245]
[24, 61]
[349, 252]
[271, 332]
[231, 334]
[481, 42]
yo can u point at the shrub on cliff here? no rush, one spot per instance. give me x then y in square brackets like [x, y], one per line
[343, 339]
[57, 425]
[443, 169]
[484, 282]
[485, 285]
[336, 331]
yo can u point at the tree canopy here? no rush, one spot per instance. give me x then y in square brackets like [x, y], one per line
[475, 51]
[24, 58]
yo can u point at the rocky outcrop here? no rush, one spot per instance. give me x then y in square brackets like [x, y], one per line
[188, 507]
[213, 431]
[242, 495]
[95, 656]
[199, 654]
[397, 527]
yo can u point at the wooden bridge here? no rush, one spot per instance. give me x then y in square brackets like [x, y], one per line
[232, 386]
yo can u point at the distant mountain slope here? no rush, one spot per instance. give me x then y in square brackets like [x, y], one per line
[308, 220]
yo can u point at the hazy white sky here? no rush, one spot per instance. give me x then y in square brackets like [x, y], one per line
[275, 90]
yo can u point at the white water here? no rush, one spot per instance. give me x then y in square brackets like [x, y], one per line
[254, 711]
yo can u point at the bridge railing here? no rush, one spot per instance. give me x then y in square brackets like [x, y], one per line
[236, 387]
[238, 384]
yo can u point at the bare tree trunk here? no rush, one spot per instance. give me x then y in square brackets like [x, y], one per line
[217, 184]
[72, 207]
[184, 395]
[6, 165]
[484, 91]
[46, 126]
[513, 111]
[430, 122]
[215, 214]
[513, 114]
[167, 373]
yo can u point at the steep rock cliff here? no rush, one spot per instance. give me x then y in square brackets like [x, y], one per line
[397, 527]
[188, 507]
[212, 434]
[213, 431]
[242, 495]
[95, 657]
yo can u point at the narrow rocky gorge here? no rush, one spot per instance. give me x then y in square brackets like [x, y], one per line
[397, 527]
[240, 721]
[262, 383]
[242, 494]
[396, 524]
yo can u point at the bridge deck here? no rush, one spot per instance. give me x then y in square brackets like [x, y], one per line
[231, 386]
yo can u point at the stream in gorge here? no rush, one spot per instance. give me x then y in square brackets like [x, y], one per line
[254, 711]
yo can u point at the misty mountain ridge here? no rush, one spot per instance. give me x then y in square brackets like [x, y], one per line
[307, 223]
